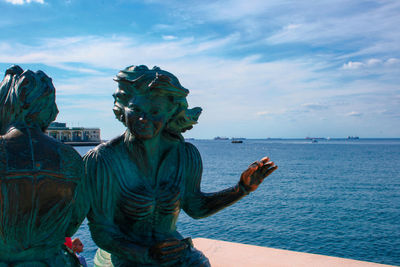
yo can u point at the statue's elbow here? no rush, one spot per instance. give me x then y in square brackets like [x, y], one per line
[197, 214]
[197, 217]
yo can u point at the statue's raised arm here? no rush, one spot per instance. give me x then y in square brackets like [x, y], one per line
[199, 205]
[41, 179]
[139, 181]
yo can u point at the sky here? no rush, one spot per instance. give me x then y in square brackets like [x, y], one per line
[259, 69]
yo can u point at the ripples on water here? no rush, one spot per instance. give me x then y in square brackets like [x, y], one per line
[338, 198]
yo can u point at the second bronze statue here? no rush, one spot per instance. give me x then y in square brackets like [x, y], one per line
[41, 180]
[139, 182]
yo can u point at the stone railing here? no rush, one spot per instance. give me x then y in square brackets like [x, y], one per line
[228, 254]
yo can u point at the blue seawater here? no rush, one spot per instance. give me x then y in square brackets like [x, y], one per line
[338, 197]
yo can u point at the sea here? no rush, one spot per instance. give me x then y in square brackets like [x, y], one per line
[336, 197]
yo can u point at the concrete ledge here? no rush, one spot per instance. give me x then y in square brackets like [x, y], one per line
[228, 254]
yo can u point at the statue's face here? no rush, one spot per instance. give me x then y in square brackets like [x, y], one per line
[146, 116]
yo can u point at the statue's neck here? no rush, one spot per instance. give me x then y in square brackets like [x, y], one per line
[152, 147]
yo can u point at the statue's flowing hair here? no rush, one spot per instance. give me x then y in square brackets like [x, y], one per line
[140, 80]
[26, 98]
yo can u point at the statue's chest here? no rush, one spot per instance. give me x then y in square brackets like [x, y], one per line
[141, 197]
[141, 201]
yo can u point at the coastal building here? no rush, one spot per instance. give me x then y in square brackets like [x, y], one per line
[76, 135]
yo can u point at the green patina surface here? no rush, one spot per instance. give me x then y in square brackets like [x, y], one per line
[41, 199]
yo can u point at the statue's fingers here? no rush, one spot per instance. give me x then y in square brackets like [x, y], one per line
[270, 170]
[264, 160]
[174, 249]
[255, 164]
[265, 172]
[265, 167]
[262, 163]
[172, 256]
[168, 243]
[268, 164]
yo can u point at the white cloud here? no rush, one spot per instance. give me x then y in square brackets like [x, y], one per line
[88, 85]
[169, 37]
[263, 113]
[283, 92]
[354, 114]
[352, 65]
[371, 63]
[238, 87]
[341, 29]
[161, 27]
[365, 31]
[392, 61]
[228, 10]
[321, 22]
[112, 52]
[314, 106]
[22, 2]
[292, 26]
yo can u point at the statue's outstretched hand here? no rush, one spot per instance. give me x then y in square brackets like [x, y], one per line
[256, 173]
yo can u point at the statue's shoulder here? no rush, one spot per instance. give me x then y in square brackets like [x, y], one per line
[100, 162]
[192, 153]
[106, 150]
[71, 163]
[189, 147]
[67, 152]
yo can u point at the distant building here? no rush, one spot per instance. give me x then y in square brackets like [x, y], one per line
[61, 132]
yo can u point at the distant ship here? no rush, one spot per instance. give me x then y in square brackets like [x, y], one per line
[315, 138]
[353, 137]
[221, 138]
[237, 140]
